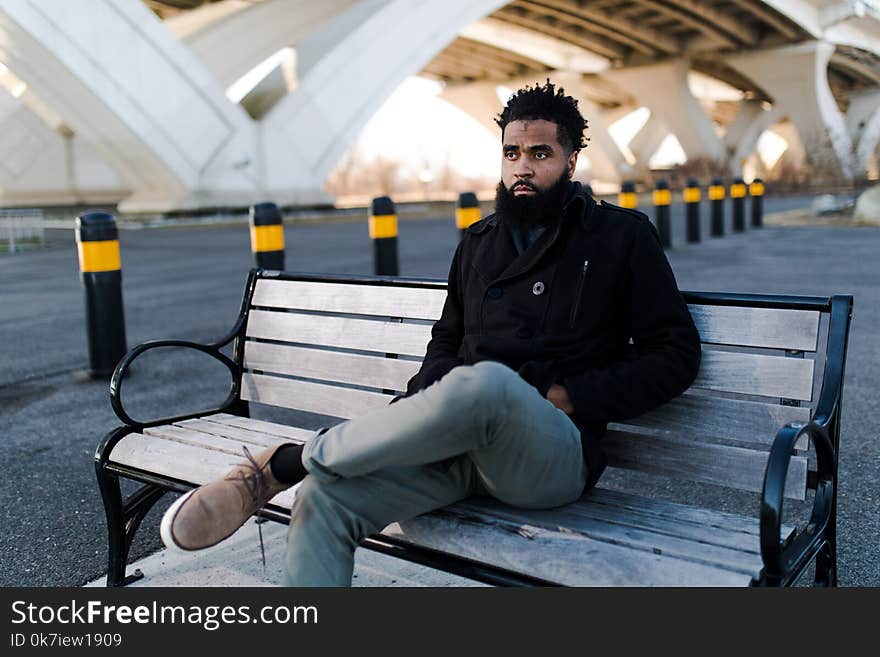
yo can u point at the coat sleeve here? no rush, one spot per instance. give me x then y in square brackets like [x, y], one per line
[446, 335]
[665, 355]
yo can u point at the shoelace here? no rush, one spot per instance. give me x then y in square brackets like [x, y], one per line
[257, 486]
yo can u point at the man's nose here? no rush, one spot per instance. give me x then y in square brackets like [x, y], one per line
[523, 170]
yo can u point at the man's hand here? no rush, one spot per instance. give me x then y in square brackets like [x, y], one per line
[558, 396]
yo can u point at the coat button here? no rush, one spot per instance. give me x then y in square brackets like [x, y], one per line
[495, 293]
[525, 333]
[538, 288]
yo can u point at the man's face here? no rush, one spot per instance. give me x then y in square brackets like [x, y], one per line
[533, 160]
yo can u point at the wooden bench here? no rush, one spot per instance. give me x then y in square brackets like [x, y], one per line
[763, 416]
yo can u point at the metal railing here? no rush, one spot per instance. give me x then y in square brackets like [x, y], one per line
[20, 229]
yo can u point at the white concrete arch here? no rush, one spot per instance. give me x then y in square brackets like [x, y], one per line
[863, 125]
[231, 40]
[646, 142]
[842, 22]
[663, 88]
[306, 133]
[741, 138]
[39, 164]
[121, 80]
[797, 78]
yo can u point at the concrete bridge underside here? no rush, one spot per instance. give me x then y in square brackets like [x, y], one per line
[126, 100]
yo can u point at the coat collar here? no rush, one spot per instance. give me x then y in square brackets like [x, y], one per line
[496, 259]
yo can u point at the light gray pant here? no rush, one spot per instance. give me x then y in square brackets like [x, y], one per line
[480, 430]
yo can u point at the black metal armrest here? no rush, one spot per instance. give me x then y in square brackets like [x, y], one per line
[781, 561]
[210, 349]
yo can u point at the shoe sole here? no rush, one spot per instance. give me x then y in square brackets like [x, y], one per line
[165, 526]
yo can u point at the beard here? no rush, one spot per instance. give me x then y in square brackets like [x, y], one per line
[526, 212]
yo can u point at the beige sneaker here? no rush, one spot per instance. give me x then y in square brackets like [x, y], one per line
[207, 515]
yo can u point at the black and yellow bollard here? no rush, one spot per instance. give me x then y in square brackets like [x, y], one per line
[267, 236]
[692, 196]
[383, 232]
[738, 198]
[662, 199]
[97, 243]
[756, 191]
[467, 211]
[627, 196]
[716, 197]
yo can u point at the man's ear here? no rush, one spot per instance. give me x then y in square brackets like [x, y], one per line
[572, 162]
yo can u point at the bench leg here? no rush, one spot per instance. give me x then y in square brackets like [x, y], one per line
[123, 521]
[826, 562]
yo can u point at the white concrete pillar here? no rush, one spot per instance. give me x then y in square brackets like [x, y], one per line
[797, 79]
[607, 161]
[646, 141]
[231, 42]
[663, 89]
[741, 138]
[863, 126]
[479, 100]
[305, 134]
[122, 81]
[795, 153]
[39, 164]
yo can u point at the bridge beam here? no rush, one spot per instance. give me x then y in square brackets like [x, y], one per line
[741, 138]
[795, 153]
[646, 141]
[39, 164]
[121, 81]
[863, 125]
[240, 38]
[797, 79]
[663, 89]
[607, 161]
[307, 132]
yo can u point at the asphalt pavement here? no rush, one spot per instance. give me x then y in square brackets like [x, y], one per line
[186, 282]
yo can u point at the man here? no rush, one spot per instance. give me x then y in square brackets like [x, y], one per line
[529, 361]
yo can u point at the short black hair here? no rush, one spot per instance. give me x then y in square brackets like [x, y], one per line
[547, 103]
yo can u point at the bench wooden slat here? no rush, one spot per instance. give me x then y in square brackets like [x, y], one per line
[260, 440]
[770, 376]
[295, 434]
[757, 327]
[361, 334]
[700, 416]
[555, 551]
[713, 464]
[384, 300]
[568, 559]
[620, 533]
[232, 446]
[629, 503]
[591, 512]
[180, 460]
[357, 369]
[310, 397]
[712, 526]
[707, 525]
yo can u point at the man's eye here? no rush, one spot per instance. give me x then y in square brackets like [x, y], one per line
[540, 155]
[510, 155]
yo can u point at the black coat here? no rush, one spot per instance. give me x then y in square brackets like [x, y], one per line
[564, 312]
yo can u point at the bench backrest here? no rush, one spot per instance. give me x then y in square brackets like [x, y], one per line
[343, 346]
